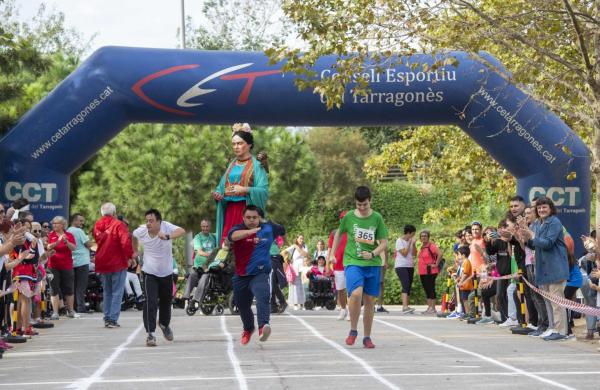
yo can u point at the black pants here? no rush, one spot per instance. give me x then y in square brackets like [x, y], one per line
[5, 301]
[278, 281]
[405, 274]
[80, 282]
[486, 296]
[159, 295]
[501, 298]
[529, 301]
[428, 282]
[570, 295]
[538, 301]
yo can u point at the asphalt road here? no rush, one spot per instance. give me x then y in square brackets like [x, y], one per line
[305, 351]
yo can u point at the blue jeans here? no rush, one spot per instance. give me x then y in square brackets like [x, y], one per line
[113, 285]
[245, 288]
[589, 298]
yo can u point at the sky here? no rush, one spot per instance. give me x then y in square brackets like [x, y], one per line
[140, 23]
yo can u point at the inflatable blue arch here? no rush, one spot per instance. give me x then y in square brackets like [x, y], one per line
[117, 86]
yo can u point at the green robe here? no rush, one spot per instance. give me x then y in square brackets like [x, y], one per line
[258, 194]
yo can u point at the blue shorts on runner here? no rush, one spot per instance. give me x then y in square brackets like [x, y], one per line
[366, 277]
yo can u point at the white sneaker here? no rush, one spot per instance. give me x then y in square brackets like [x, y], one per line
[530, 326]
[496, 316]
[547, 333]
[343, 314]
[348, 315]
[508, 323]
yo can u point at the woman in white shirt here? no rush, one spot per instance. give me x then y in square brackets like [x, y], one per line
[406, 250]
[298, 253]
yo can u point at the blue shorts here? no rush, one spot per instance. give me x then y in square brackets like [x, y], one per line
[366, 277]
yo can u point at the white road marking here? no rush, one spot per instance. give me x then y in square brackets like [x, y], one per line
[344, 351]
[477, 355]
[293, 376]
[239, 375]
[85, 383]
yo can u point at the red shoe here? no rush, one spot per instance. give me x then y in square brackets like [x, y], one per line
[30, 331]
[246, 335]
[368, 343]
[350, 339]
[264, 332]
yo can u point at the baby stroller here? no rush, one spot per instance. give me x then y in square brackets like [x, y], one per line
[94, 292]
[320, 293]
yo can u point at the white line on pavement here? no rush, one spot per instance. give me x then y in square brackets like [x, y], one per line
[292, 376]
[85, 383]
[344, 351]
[477, 355]
[234, 360]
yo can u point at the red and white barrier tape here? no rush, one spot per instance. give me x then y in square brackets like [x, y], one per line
[564, 302]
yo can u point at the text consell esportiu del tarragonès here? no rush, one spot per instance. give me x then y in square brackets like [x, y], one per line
[399, 99]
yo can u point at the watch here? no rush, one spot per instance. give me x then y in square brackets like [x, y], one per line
[373, 254]
[168, 236]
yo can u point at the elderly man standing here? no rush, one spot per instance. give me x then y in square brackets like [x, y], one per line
[112, 257]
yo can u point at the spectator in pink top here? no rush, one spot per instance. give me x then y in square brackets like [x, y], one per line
[429, 260]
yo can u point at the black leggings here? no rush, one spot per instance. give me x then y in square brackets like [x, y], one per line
[428, 282]
[486, 296]
[405, 274]
[570, 295]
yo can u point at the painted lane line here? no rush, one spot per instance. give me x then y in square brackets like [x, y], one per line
[344, 351]
[479, 356]
[239, 375]
[85, 383]
[293, 376]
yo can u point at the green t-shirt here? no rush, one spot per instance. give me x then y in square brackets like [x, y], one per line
[362, 236]
[274, 250]
[514, 268]
[81, 254]
[207, 243]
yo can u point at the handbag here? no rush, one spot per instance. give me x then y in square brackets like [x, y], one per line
[290, 274]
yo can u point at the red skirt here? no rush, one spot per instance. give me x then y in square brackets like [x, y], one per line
[234, 215]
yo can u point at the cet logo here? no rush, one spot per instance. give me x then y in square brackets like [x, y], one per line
[561, 196]
[33, 192]
[197, 90]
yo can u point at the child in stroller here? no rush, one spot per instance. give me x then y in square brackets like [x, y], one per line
[214, 290]
[320, 286]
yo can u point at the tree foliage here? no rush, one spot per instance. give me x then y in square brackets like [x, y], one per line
[175, 169]
[551, 47]
[340, 155]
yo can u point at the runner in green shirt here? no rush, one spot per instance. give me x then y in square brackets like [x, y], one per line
[367, 240]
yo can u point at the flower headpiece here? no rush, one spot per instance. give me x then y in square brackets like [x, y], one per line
[241, 127]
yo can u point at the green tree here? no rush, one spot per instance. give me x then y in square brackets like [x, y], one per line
[34, 58]
[549, 46]
[238, 25]
[340, 154]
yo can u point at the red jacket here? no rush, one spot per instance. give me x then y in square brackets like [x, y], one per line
[114, 245]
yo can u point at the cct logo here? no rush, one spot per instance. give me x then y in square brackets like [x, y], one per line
[33, 192]
[561, 196]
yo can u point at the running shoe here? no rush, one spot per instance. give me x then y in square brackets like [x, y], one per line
[368, 343]
[343, 314]
[264, 332]
[246, 335]
[72, 314]
[454, 315]
[167, 332]
[54, 316]
[408, 310]
[150, 340]
[30, 331]
[555, 337]
[351, 339]
[537, 333]
[382, 309]
[484, 321]
[509, 323]
[547, 333]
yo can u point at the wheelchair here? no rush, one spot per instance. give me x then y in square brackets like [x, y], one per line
[218, 296]
[321, 294]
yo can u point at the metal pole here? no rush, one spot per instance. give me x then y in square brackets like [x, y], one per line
[183, 24]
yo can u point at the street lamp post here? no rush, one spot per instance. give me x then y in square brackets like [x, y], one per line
[183, 24]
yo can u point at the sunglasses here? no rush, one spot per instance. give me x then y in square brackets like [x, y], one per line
[36, 231]
[45, 226]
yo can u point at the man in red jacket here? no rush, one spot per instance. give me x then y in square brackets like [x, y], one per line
[112, 257]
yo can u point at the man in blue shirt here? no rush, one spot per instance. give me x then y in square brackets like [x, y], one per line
[251, 245]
